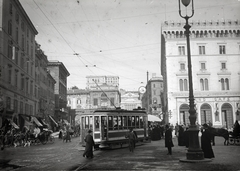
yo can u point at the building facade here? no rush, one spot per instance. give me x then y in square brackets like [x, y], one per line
[17, 62]
[59, 72]
[94, 81]
[45, 87]
[130, 100]
[215, 55]
[152, 98]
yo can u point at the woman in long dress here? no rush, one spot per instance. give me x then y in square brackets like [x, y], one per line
[206, 143]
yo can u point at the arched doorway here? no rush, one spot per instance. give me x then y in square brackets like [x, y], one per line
[227, 115]
[184, 114]
[206, 113]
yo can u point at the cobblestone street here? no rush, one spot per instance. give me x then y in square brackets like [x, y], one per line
[149, 156]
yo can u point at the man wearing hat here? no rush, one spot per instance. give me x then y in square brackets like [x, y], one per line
[89, 145]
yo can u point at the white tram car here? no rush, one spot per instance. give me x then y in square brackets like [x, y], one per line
[109, 127]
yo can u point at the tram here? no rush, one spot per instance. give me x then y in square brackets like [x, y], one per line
[109, 127]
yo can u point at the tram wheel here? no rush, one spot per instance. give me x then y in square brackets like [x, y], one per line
[231, 140]
[237, 141]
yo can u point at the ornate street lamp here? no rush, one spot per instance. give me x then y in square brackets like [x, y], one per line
[194, 151]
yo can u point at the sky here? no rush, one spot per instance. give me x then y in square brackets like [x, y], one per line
[112, 37]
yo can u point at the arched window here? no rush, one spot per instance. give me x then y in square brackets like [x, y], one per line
[227, 83]
[201, 84]
[222, 84]
[181, 84]
[206, 84]
[185, 85]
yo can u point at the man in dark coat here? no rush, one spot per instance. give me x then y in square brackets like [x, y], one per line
[131, 139]
[168, 139]
[89, 145]
[206, 143]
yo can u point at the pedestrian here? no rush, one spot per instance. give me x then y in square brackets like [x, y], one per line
[176, 129]
[168, 139]
[131, 139]
[89, 145]
[206, 142]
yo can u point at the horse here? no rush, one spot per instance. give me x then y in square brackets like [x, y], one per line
[220, 132]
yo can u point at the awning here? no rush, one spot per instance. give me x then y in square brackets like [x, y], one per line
[153, 118]
[36, 121]
[65, 121]
[13, 124]
[42, 121]
[26, 121]
[53, 120]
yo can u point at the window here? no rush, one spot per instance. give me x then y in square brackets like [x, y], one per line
[96, 122]
[204, 84]
[10, 75]
[222, 49]
[21, 107]
[10, 27]
[183, 85]
[10, 49]
[201, 50]
[16, 78]
[110, 122]
[182, 66]
[203, 66]
[224, 83]
[15, 106]
[112, 103]
[8, 103]
[17, 34]
[10, 9]
[181, 50]
[17, 18]
[95, 102]
[23, 42]
[223, 65]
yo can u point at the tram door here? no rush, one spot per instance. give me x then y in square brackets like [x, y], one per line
[104, 127]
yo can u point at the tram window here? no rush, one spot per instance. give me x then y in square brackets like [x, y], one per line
[129, 122]
[110, 123]
[141, 122]
[91, 122]
[120, 126]
[137, 122]
[86, 122]
[115, 122]
[104, 127]
[133, 122]
[96, 123]
[124, 122]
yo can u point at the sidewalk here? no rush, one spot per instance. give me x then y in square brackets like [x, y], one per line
[153, 156]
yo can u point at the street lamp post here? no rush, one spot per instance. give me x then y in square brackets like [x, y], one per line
[194, 150]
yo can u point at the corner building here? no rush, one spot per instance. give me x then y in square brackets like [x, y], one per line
[215, 55]
[17, 63]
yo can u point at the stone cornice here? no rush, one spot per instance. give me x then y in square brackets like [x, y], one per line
[207, 94]
[202, 29]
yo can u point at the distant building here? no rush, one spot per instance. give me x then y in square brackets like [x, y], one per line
[100, 94]
[130, 100]
[59, 72]
[151, 99]
[94, 81]
[215, 54]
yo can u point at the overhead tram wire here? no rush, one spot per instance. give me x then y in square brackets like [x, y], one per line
[54, 26]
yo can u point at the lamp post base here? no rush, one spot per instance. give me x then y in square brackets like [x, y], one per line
[195, 153]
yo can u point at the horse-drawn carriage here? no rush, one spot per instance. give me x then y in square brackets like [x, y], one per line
[231, 137]
[234, 136]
